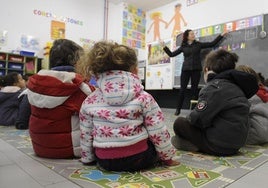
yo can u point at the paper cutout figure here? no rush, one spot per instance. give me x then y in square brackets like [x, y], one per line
[177, 18]
[156, 17]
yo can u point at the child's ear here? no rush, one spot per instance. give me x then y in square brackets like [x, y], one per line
[135, 71]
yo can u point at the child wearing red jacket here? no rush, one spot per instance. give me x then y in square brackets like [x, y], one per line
[56, 96]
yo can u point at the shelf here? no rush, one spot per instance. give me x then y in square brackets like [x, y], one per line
[2, 56]
[23, 64]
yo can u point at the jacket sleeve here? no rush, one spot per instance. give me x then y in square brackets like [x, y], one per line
[207, 108]
[24, 113]
[258, 119]
[172, 54]
[157, 130]
[212, 43]
[86, 136]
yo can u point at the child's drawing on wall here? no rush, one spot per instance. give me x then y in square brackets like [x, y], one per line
[157, 19]
[156, 54]
[177, 18]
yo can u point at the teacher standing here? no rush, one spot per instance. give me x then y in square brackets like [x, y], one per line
[191, 68]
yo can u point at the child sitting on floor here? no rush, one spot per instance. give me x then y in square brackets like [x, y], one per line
[258, 114]
[12, 86]
[218, 125]
[56, 96]
[122, 126]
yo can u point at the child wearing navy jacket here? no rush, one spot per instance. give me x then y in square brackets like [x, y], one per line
[219, 123]
[12, 86]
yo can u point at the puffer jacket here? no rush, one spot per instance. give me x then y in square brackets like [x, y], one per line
[56, 98]
[222, 110]
[119, 117]
[9, 105]
[258, 121]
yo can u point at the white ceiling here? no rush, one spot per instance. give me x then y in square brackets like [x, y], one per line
[145, 4]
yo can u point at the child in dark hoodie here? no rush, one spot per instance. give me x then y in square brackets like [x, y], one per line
[12, 86]
[219, 123]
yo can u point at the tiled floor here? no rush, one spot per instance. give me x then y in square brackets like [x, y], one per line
[19, 170]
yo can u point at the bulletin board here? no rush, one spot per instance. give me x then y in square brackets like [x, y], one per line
[159, 67]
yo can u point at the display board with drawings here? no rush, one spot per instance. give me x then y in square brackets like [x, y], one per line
[159, 74]
[248, 43]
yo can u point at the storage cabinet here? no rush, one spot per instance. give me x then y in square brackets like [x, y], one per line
[17, 63]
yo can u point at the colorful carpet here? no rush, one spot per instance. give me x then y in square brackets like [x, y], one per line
[195, 170]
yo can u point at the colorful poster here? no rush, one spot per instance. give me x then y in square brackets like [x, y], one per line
[159, 68]
[218, 29]
[206, 31]
[30, 43]
[87, 43]
[156, 54]
[57, 30]
[134, 23]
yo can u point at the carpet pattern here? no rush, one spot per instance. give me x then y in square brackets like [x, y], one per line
[196, 169]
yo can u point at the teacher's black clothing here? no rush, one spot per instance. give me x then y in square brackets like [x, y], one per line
[192, 67]
[191, 53]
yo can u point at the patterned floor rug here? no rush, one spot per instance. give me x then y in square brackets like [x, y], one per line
[196, 169]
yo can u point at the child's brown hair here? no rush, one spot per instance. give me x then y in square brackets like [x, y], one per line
[220, 60]
[105, 56]
[9, 80]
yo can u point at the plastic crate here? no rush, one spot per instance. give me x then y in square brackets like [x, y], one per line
[13, 70]
[12, 65]
[2, 72]
[26, 53]
[15, 58]
[2, 64]
[2, 56]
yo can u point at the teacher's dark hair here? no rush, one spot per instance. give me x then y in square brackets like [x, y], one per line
[185, 37]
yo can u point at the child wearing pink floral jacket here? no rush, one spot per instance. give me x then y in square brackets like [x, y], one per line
[122, 126]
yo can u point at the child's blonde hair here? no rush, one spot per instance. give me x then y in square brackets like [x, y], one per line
[105, 56]
[155, 14]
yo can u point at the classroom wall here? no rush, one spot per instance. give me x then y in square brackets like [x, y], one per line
[115, 25]
[18, 18]
[115, 21]
[196, 15]
[202, 14]
[205, 13]
[84, 21]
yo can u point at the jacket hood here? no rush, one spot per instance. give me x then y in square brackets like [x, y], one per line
[247, 82]
[119, 87]
[9, 92]
[49, 89]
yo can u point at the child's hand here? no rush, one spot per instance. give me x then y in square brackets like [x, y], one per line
[166, 26]
[225, 33]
